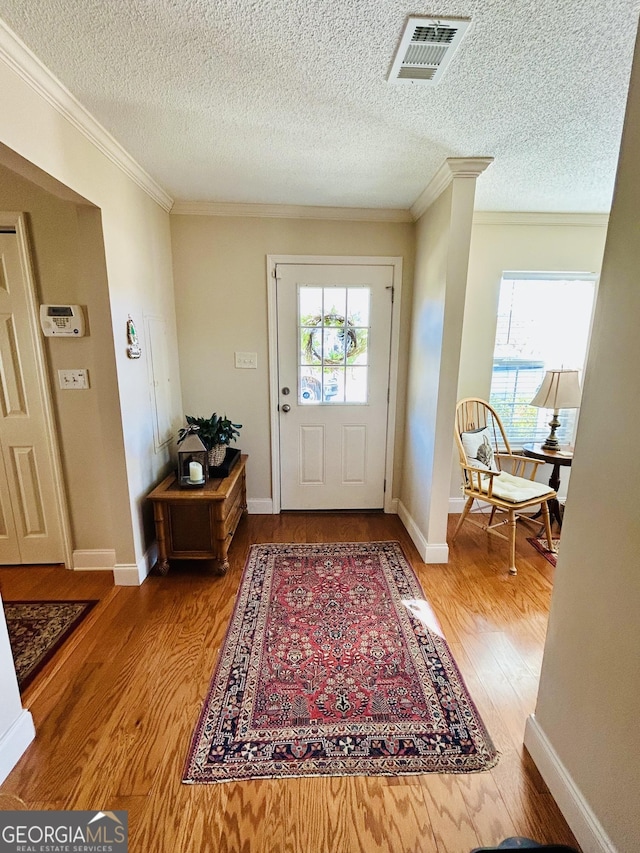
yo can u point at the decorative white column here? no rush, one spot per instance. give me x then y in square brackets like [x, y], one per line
[444, 214]
[453, 167]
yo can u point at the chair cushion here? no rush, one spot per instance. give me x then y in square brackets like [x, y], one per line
[515, 489]
[479, 449]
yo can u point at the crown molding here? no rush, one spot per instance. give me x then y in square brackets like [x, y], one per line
[453, 167]
[290, 211]
[489, 217]
[21, 60]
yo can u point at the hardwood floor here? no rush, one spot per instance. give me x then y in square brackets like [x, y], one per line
[115, 709]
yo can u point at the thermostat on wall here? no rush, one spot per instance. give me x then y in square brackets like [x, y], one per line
[62, 320]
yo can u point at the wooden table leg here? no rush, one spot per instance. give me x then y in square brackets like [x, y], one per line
[223, 563]
[163, 563]
[554, 505]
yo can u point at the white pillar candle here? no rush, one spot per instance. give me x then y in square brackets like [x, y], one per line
[195, 472]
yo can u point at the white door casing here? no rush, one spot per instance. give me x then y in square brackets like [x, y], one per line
[33, 514]
[333, 430]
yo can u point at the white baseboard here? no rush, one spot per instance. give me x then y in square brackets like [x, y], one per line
[134, 574]
[124, 574]
[412, 529]
[150, 558]
[575, 809]
[260, 506]
[129, 574]
[14, 742]
[437, 553]
[456, 505]
[392, 507]
[95, 560]
[430, 552]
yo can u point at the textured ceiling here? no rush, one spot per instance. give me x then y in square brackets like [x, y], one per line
[287, 102]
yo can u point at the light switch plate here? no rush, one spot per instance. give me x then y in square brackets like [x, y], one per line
[247, 359]
[77, 380]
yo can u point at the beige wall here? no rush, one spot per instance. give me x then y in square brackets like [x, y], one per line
[220, 269]
[134, 277]
[496, 248]
[62, 255]
[442, 251]
[588, 702]
[500, 247]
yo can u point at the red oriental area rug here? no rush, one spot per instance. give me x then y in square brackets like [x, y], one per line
[540, 544]
[331, 667]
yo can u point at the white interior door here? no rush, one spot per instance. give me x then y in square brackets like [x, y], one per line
[334, 338]
[30, 524]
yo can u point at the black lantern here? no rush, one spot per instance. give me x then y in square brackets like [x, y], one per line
[193, 466]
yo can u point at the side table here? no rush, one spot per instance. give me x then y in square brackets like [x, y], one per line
[198, 524]
[558, 458]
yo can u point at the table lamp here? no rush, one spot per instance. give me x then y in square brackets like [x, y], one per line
[560, 389]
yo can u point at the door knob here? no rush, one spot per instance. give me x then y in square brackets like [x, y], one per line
[285, 391]
[286, 407]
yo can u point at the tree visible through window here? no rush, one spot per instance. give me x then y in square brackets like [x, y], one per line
[544, 320]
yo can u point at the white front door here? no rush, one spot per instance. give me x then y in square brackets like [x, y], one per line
[334, 337]
[30, 523]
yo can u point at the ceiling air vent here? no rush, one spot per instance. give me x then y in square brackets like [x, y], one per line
[425, 50]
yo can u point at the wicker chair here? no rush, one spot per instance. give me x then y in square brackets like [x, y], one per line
[493, 475]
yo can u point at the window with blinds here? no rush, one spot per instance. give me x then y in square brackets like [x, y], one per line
[544, 321]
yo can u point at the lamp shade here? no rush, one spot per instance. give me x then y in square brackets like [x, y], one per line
[560, 389]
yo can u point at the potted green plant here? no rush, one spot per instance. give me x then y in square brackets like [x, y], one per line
[216, 433]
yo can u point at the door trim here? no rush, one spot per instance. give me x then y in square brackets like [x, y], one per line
[390, 505]
[19, 222]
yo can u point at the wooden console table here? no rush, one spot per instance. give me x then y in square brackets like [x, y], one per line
[198, 524]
